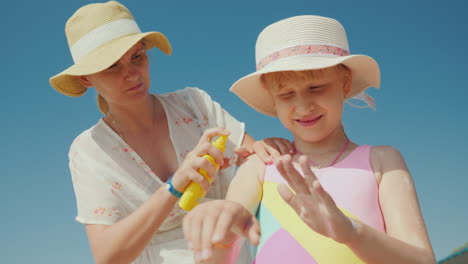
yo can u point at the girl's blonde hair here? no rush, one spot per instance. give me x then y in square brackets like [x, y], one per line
[274, 81]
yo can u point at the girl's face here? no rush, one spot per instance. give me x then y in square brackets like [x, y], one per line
[126, 81]
[312, 108]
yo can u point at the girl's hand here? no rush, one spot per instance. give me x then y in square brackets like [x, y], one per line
[188, 170]
[312, 203]
[216, 224]
[268, 149]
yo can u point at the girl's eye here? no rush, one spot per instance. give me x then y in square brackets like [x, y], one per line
[286, 95]
[314, 88]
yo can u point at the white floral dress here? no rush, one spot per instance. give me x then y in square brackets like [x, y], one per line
[111, 181]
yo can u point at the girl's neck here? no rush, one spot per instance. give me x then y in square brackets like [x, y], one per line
[332, 143]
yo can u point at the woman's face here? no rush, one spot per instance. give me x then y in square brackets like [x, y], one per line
[125, 82]
[312, 109]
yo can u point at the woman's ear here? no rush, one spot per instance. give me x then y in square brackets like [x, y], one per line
[84, 81]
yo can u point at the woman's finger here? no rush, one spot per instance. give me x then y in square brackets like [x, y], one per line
[260, 150]
[208, 227]
[223, 227]
[278, 147]
[196, 231]
[210, 133]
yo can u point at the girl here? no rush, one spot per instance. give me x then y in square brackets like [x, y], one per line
[129, 169]
[333, 201]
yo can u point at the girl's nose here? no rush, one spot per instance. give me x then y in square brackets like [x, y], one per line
[304, 105]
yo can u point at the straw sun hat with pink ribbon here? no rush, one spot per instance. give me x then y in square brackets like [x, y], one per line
[304, 43]
[99, 35]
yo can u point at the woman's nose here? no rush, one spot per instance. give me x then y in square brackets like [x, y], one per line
[131, 72]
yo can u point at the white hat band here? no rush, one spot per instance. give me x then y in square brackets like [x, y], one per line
[101, 35]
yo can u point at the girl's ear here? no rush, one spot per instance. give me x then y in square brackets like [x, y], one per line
[347, 83]
[84, 81]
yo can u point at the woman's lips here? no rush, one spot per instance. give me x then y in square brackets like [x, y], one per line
[309, 121]
[136, 87]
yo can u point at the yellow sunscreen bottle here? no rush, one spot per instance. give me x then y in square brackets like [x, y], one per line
[194, 192]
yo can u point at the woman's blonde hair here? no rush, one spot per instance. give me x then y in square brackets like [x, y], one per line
[273, 81]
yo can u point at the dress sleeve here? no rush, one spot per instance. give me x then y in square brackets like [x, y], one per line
[96, 192]
[218, 117]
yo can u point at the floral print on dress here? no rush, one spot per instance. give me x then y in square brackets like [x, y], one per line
[101, 211]
[307, 49]
[116, 186]
[187, 120]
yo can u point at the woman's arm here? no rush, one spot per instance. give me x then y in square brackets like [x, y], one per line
[406, 240]
[123, 242]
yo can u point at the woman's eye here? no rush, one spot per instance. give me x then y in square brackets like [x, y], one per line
[138, 55]
[112, 66]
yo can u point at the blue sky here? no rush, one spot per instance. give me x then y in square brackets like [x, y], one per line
[421, 106]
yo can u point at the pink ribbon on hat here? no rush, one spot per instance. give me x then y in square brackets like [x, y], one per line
[310, 49]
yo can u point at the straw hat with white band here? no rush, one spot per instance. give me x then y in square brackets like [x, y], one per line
[304, 43]
[99, 35]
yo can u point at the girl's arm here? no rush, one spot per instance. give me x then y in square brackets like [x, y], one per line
[406, 240]
[123, 241]
[213, 228]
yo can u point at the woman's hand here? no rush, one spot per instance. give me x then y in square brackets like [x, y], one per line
[268, 149]
[217, 224]
[188, 170]
[312, 203]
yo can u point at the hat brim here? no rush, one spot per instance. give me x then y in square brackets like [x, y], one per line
[365, 72]
[102, 58]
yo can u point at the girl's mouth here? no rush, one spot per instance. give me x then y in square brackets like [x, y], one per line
[309, 121]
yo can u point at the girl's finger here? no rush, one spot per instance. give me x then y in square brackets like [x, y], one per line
[309, 175]
[320, 192]
[295, 179]
[289, 197]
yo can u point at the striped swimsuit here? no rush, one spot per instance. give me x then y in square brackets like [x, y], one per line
[286, 239]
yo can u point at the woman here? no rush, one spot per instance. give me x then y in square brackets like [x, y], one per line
[129, 168]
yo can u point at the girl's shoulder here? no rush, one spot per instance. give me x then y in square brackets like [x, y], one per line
[385, 158]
